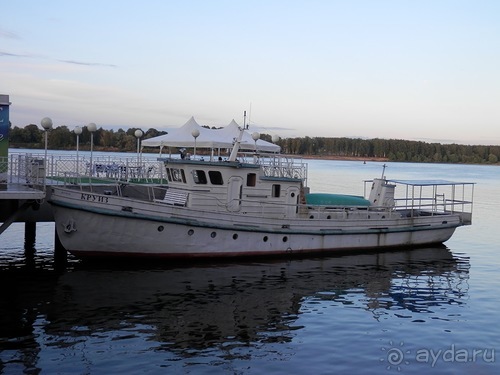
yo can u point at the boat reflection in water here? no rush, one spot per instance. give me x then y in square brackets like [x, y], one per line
[205, 305]
[98, 318]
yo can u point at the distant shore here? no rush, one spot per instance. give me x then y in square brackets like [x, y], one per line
[346, 158]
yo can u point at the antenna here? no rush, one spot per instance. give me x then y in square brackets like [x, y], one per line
[249, 113]
[383, 170]
[245, 125]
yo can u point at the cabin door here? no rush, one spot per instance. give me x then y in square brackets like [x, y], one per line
[292, 199]
[234, 193]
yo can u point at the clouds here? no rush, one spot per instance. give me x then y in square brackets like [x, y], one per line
[383, 69]
[96, 64]
[10, 54]
[88, 63]
[8, 34]
[17, 40]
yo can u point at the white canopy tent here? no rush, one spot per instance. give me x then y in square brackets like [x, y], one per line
[209, 138]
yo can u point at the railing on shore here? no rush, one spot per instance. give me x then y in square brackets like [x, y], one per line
[34, 169]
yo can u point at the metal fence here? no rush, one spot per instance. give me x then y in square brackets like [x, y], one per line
[35, 169]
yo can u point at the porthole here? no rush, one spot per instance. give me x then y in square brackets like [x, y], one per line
[160, 228]
[311, 217]
[190, 232]
[265, 239]
[235, 236]
[293, 195]
[329, 217]
[213, 234]
[285, 239]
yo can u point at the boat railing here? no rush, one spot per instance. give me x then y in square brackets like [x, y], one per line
[133, 189]
[277, 165]
[283, 166]
[279, 209]
[438, 205]
[408, 206]
[411, 207]
[431, 196]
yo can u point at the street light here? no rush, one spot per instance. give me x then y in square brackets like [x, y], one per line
[255, 137]
[46, 125]
[91, 128]
[195, 133]
[77, 131]
[138, 134]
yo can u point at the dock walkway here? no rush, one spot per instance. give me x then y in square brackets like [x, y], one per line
[23, 196]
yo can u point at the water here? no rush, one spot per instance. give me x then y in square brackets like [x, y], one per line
[431, 310]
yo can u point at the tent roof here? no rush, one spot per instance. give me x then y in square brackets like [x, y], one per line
[208, 138]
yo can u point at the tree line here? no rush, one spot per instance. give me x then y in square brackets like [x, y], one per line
[62, 138]
[392, 150]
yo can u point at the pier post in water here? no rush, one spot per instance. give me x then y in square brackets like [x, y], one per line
[4, 138]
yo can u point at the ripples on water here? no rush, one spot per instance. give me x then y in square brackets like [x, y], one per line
[273, 315]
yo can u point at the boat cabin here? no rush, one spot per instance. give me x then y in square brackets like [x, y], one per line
[271, 187]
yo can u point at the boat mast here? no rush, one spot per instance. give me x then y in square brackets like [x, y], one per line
[236, 146]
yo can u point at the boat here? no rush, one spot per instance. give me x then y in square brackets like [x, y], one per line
[251, 204]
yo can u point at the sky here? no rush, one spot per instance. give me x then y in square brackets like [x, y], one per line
[424, 70]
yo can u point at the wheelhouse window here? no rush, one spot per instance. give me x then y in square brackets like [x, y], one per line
[215, 177]
[276, 190]
[176, 175]
[199, 177]
[251, 179]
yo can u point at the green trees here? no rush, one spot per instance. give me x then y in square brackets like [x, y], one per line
[31, 136]
[392, 149]
[62, 138]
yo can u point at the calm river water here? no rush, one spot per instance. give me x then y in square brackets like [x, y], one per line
[432, 310]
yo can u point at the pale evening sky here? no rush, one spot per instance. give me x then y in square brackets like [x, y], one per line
[422, 70]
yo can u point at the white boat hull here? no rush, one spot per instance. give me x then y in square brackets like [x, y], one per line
[115, 226]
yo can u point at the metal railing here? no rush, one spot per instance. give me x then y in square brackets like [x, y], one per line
[282, 166]
[34, 169]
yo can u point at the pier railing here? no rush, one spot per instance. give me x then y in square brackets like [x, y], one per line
[36, 170]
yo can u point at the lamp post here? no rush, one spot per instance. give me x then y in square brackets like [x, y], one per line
[138, 134]
[195, 133]
[275, 139]
[46, 125]
[91, 127]
[77, 131]
[255, 137]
